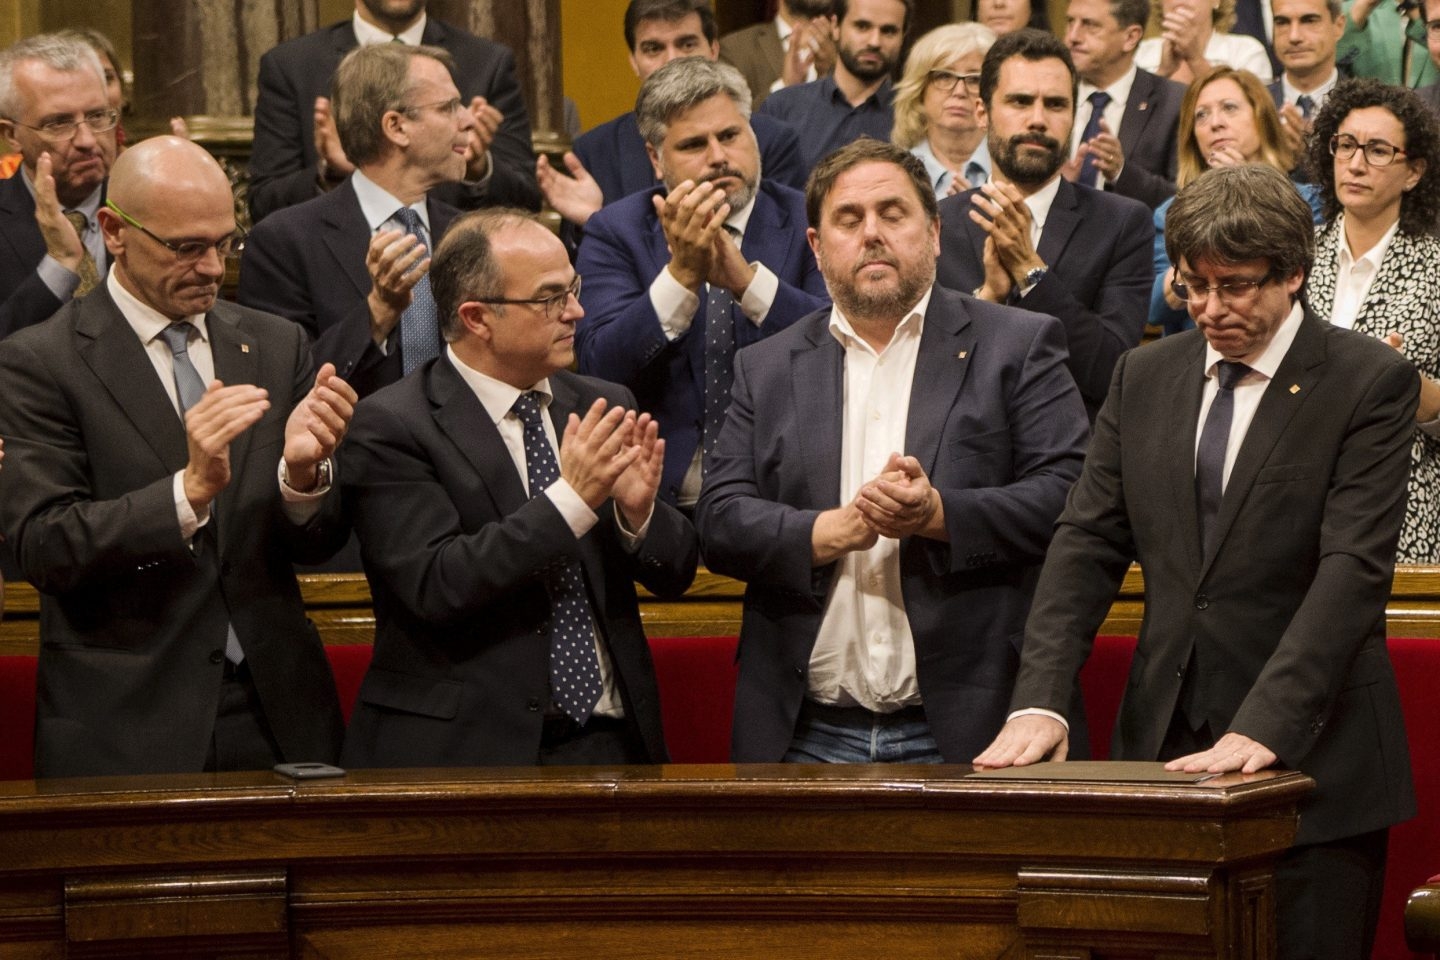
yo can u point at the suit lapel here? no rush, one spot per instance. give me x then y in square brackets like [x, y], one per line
[347, 236]
[463, 418]
[1137, 113]
[236, 355]
[1186, 386]
[17, 211]
[941, 364]
[1061, 222]
[817, 391]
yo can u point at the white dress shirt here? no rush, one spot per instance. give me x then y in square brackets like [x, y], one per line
[1224, 50]
[378, 206]
[1318, 94]
[783, 28]
[1113, 113]
[366, 34]
[1355, 275]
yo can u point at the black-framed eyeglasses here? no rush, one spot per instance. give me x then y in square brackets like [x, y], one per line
[1229, 292]
[187, 251]
[1378, 153]
[945, 81]
[553, 305]
[63, 131]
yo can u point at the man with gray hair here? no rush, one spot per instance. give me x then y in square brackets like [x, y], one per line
[680, 277]
[505, 508]
[1256, 469]
[349, 266]
[54, 107]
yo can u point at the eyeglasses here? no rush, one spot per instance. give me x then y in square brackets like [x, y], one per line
[1231, 291]
[187, 251]
[945, 81]
[444, 107]
[63, 131]
[1377, 153]
[553, 305]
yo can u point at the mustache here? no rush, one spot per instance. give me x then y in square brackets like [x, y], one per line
[720, 174]
[875, 253]
[1036, 139]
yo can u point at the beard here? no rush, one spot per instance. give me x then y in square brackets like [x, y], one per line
[862, 71]
[394, 13]
[881, 304]
[1025, 168]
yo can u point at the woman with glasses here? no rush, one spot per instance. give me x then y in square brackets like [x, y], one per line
[1228, 118]
[935, 106]
[1376, 257]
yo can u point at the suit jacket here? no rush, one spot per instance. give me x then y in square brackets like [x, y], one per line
[24, 298]
[457, 557]
[997, 424]
[307, 263]
[620, 337]
[614, 153]
[1098, 248]
[1286, 614]
[1148, 138]
[132, 620]
[283, 161]
[756, 51]
[1402, 299]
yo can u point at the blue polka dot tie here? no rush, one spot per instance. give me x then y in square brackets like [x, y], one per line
[719, 360]
[574, 669]
[420, 323]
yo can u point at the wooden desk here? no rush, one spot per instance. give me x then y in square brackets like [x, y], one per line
[662, 862]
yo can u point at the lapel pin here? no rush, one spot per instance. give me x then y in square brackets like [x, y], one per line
[1294, 388]
[962, 354]
[1143, 104]
[244, 348]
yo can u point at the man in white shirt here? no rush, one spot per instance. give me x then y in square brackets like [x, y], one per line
[1306, 33]
[795, 47]
[885, 483]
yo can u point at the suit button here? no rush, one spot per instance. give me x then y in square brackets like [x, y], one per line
[1317, 725]
[216, 656]
[1201, 602]
[1180, 672]
[533, 705]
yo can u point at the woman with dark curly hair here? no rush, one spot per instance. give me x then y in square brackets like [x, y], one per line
[1376, 257]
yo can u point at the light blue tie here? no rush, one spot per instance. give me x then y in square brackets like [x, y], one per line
[420, 323]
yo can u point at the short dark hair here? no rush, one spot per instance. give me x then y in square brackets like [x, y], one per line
[1030, 45]
[842, 9]
[1419, 207]
[370, 82]
[463, 267]
[670, 11]
[866, 150]
[1132, 13]
[1246, 212]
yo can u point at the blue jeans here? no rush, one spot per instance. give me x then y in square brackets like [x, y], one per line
[825, 734]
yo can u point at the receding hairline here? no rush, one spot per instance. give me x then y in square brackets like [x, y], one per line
[171, 162]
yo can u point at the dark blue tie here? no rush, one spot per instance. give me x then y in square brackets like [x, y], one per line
[1210, 454]
[574, 669]
[420, 323]
[719, 359]
[1306, 103]
[1099, 100]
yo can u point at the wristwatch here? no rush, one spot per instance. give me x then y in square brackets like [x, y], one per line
[1034, 275]
[323, 476]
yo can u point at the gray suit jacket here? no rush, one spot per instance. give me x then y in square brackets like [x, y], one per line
[132, 619]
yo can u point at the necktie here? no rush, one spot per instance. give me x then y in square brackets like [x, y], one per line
[420, 323]
[189, 387]
[574, 669]
[1099, 100]
[719, 359]
[1210, 454]
[1306, 104]
[89, 275]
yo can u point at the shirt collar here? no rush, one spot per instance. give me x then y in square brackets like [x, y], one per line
[1119, 90]
[881, 97]
[977, 168]
[1041, 200]
[782, 27]
[496, 396]
[1318, 94]
[145, 320]
[1373, 257]
[366, 34]
[1269, 360]
[740, 219]
[377, 205]
[911, 325]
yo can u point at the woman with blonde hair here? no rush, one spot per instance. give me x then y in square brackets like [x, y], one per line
[935, 106]
[1194, 40]
[1227, 118]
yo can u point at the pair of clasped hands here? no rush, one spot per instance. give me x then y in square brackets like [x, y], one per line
[899, 502]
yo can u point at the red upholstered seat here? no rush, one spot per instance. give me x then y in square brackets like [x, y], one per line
[17, 717]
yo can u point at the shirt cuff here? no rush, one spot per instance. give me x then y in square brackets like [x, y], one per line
[674, 305]
[59, 280]
[299, 506]
[1039, 712]
[190, 521]
[630, 542]
[574, 511]
[760, 295]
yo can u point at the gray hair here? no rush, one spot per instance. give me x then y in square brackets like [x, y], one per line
[370, 82]
[1234, 214]
[464, 267]
[63, 51]
[680, 85]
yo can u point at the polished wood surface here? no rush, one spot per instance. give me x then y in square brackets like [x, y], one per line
[1422, 920]
[716, 861]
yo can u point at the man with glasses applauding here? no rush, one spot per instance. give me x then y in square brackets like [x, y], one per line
[54, 108]
[167, 460]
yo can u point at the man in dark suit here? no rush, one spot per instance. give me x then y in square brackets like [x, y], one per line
[885, 483]
[1125, 117]
[349, 266]
[172, 633]
[678, 279]
[504, 581]
[1256, 469]
[795, 47]
[57, 114]
[609, 162]
[298, 155]
[1032, 239]
[1306, 34]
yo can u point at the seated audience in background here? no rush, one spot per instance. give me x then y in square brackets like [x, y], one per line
[350, 265]
[1376, 157]
[54, 108]
[1032, 239]
[889, 473]
[855, 100]
[936, 106]
[609, 162]
[1193, 41]
[146, 425]
[297, 153]
[1306, 32]
[507, 630]
[1007, 16]
[1430, 93]
[795, 47]
[1387, 41]
[1228, 119]
[1125, 117]
[680, 277]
